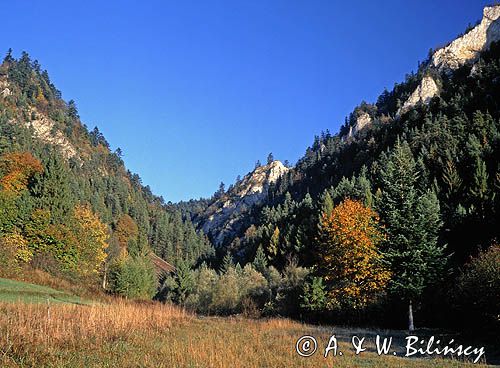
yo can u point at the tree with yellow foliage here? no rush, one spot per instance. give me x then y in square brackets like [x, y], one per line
[15, 246]
[91, 240]
[350, 263]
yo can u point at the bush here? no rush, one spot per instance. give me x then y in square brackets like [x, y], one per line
[227, 294]
[14, 252]
[134, 278]
[478, 290]
[235, 290]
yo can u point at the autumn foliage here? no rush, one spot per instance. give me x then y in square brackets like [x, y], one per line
[350, 262]
[92, 237]
[16, 168]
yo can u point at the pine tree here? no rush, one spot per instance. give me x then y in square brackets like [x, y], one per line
[52, 189]
[260, 260]
[412, 220]
[479, 188]
[184, 280]
[227, 263]
[326, 203]
[274, 243]
[270, 158]
[314, 295]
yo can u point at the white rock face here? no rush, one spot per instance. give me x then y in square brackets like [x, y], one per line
[425, 91]
[260, 178]
[43, 128]
[467, 48]
[463, 50]
[363, 120]
[251, 190]
[4, 87]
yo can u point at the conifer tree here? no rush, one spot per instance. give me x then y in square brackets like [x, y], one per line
[52, 189]
[227, 263]
[260, 260]
[274, 243]
[412, 220]
[326, 203]
[270, 158]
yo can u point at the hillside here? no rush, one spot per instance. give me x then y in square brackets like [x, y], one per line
[68, 205]
[218, 218]
[424, 159]
[392, 220]
[450, 103]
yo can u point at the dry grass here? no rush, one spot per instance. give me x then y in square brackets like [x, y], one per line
[126, 334]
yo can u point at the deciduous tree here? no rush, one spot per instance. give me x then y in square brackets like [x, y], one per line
[351, 263]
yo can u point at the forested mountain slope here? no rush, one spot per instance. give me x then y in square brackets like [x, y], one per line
[396, 210]
[67, 201]
[447, 113]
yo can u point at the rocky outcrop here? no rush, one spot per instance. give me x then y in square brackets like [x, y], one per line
[44, 129]
[4, 88]
[467, 48]
[425, 91]
[362, 121]
[219, 218]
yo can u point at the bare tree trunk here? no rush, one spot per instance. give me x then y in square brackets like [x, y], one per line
[104, 279]
[411, 327]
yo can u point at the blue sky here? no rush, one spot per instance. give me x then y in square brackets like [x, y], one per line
[194, 92]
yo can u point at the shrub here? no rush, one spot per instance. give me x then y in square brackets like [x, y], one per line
[478, 290]
[135, 278]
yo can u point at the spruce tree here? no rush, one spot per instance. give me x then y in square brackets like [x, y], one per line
[227, 263]
[412, 220]
[260, 260]
[270, 158]
[52, 189]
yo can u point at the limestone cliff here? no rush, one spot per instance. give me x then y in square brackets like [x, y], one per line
[219, 218]
[464, 49]
[467, 47]
[44, 129]
[363, 120]
[425, 91]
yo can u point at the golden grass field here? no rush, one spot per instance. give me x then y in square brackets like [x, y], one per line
[128, 334]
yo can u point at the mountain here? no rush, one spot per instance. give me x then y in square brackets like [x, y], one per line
[54, 169]
[448, 114]
[219, 218]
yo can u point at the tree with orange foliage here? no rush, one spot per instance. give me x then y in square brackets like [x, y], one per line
[126, 230]
[351, 264]
[16, 168]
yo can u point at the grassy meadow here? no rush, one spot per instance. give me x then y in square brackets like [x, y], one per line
[18, 291]
[121, 333]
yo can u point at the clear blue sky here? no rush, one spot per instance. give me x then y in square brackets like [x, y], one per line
[194, 92]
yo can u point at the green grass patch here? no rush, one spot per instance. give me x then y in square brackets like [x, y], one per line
[18, 291]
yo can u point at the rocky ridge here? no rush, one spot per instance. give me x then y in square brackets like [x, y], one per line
[223, 212]
[467, 47]
[464, 49]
